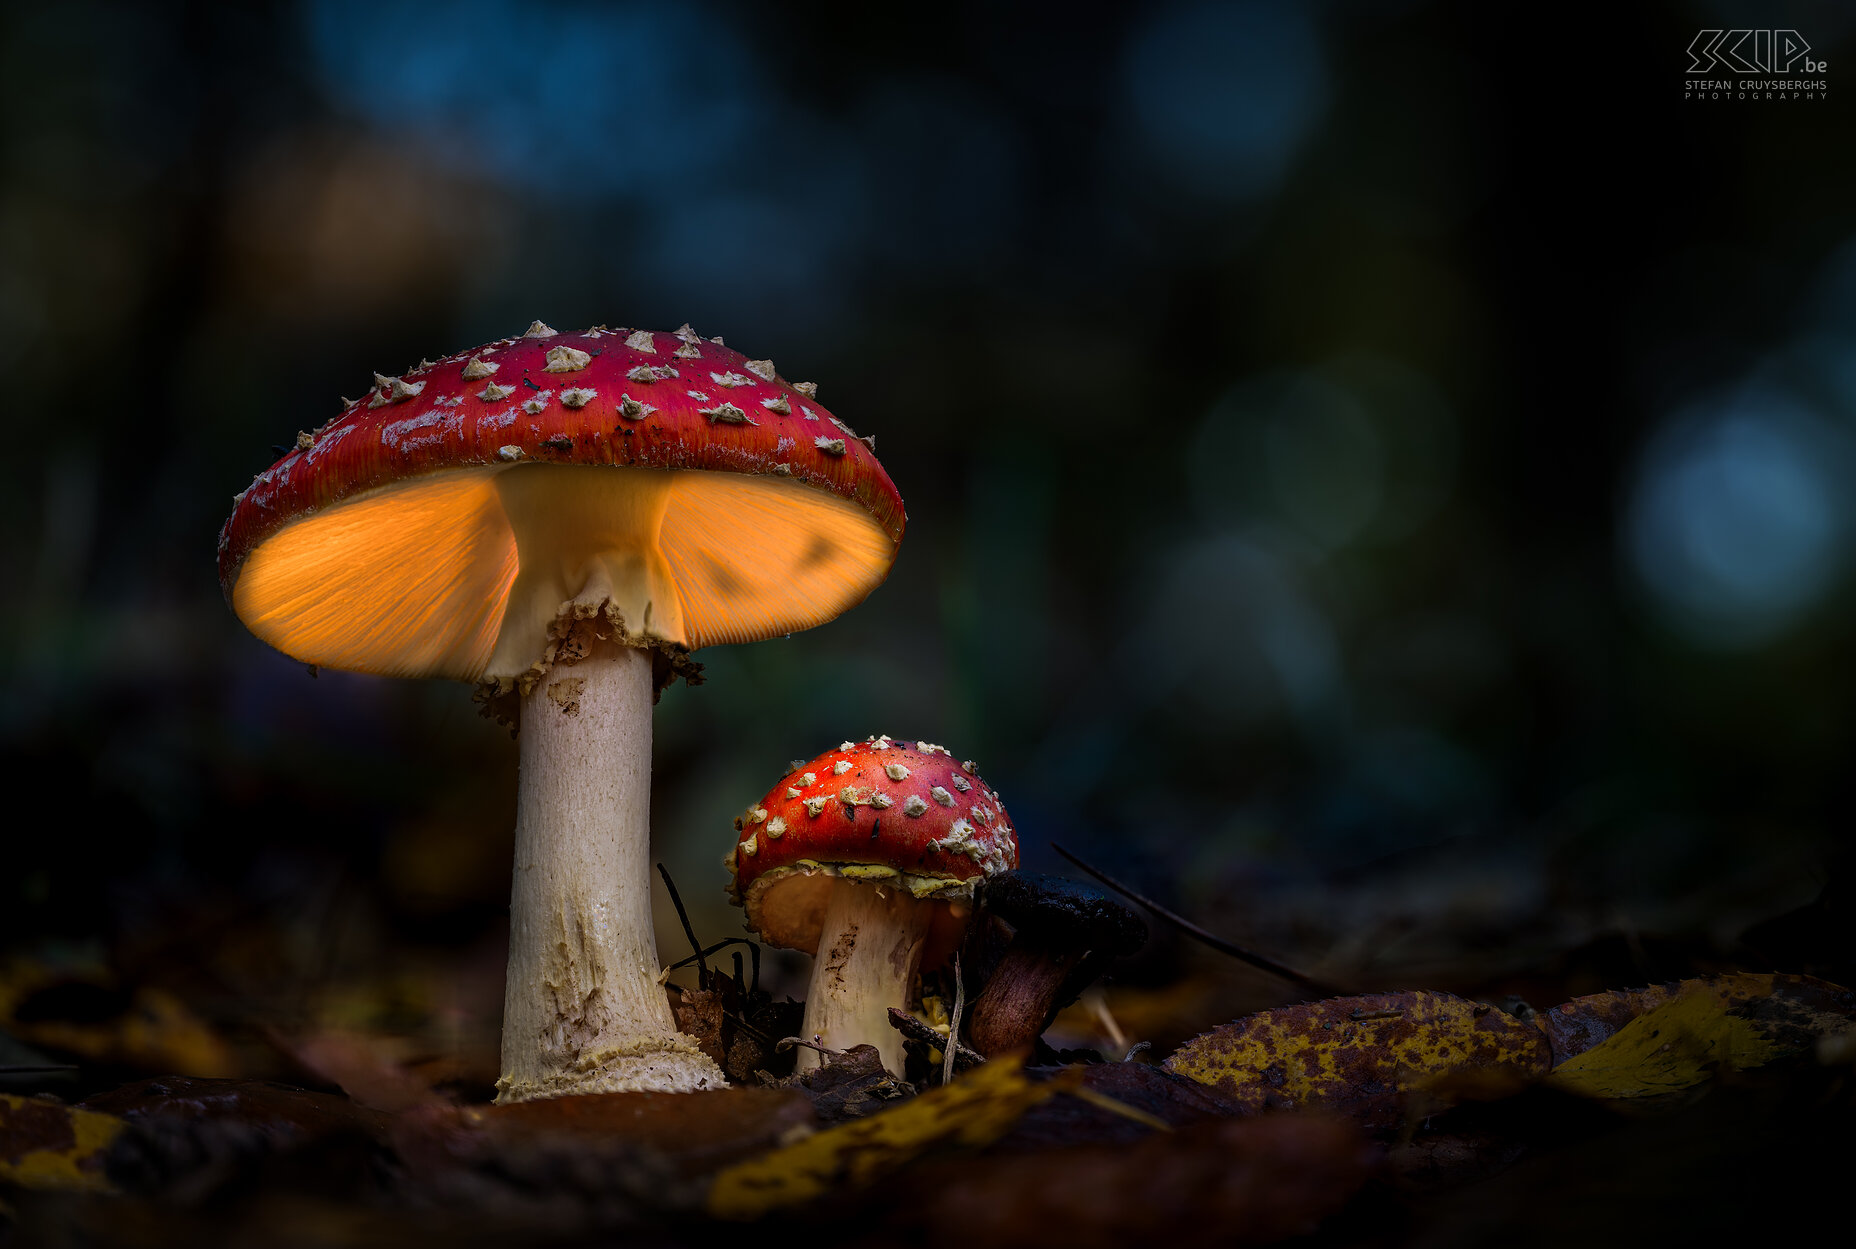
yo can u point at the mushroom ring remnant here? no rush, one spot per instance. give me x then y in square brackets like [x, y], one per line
[609, 501]
[867, 857]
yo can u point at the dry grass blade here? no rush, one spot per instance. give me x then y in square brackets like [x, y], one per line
[1199, 934]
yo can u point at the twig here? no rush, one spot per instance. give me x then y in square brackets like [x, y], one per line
[1097, 1001]
[1199, 934]
[723, 944]
[25, 1070]
[953, 1025]
[913, 1028]
[785, 1043]
[676, 900]
[741, 1022]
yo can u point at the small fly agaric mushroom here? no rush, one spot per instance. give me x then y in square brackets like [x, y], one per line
[1063, 934]
[562, 518]
[867, 857]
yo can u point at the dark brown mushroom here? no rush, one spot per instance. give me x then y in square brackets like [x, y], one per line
[1064, 934]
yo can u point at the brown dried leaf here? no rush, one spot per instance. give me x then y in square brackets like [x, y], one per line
[1225, 1182]
[701, 1015]
[285, 1112]
[1375, 1058]
[601, 1160]
[366, 1068]
[188, 1137]
[737, 1030]
[697, 1131]
[1147, 1094]
[849, 1085]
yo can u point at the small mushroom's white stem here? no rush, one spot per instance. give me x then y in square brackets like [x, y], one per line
[869, 948]
[582, 1010]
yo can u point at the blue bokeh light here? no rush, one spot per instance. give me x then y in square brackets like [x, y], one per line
[1223, 95]
[643, 100]
[1739, 519]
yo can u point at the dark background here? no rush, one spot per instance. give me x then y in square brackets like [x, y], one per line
[1381, 476]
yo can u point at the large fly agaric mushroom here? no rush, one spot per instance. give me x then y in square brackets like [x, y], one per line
[562, 518]
[867, 857]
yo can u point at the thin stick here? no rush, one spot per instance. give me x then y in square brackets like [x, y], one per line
[787, 1042]
[913, 1028]
[1199, 934]
[741, 1022]
[953, 1025]
[20, 1071]
[723, 944]
[676, 900]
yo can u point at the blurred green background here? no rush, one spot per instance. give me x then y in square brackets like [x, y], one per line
[1381, 474]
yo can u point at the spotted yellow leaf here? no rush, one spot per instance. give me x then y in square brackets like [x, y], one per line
[1702, 1027]
[48, 1145]
[973, 1111]
[1367, 1056]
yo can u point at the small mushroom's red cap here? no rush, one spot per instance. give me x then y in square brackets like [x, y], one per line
[903, 814]
[443, 522]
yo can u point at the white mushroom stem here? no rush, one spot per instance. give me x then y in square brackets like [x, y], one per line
[869, 948]
[582, 1010]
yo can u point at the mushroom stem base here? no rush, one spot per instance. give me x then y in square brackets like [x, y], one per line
[582, 1010]
[868, 951]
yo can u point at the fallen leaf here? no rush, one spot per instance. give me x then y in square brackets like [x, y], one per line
[1576, 1026]
[1804, 1007]
[1374, 1058]
[364, 1066]
[1731, 1023]
[186, 1138]
[283, 1113]
[595, 1161]
[974, 1110]
[701, 1016]
[737, 1030]
[88, 1014]
[849, 1085]
[1154, 1093]
[697, 1130]
[1433, 1161]
[1222, 1182]
[44, 1144]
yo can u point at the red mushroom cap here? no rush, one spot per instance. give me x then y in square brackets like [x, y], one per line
[899, 813]
[389, 539]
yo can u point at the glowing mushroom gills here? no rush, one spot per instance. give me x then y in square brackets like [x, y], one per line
[463, 574]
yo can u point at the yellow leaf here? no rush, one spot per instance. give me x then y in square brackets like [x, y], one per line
[1674, 1047]
[146, 1028]
[973, 1111]
[1792, 1012]
[1366, 1056]
[46, 1145]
